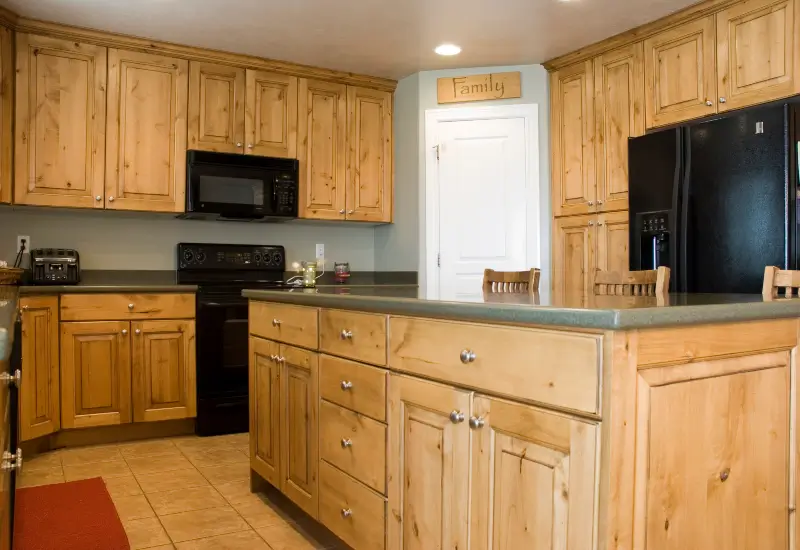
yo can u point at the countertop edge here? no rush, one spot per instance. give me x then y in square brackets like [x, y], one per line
[32, 290]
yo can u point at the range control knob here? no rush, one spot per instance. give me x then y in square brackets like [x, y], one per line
[277, 258]
[188, 256]
[257, 257]
[201, 257]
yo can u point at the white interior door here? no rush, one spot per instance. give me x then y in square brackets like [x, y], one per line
[482, 202]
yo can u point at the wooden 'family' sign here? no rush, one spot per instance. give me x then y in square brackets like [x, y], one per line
[479, 87]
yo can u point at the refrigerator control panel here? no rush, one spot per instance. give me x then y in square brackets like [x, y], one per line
[655, 222]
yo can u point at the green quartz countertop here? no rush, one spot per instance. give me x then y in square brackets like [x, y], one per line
[594, 312]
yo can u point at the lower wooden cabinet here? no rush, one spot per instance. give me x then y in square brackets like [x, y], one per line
[39, 402]
[95, 374]
[163, 370]
[265, 407]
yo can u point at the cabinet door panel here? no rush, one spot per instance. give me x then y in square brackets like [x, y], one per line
[146, 141]
[712, 454]
[265, 407]
[612, 242]
[573, 127]
[60, 122]
[271, 114]
[680, 73]
[573, 258]
[369, 168]
[164, 386]
[216, 107]
[756, 52]
[428, 465]
[6, 112]
[300, 427]
[39, 411]
[619, 110]
[533, 481]
[95, 374]
[321, 149]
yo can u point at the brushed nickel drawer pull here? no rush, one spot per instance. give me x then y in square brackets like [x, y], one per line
[346, 443]
[467, 356]
[347, 334]
[476, 422]
[346, 385]
[130, 306]
[456, 417]
[276, 322]
[346, 512]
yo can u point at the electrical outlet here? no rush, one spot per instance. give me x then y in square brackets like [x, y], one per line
[27, 240]
[320, 251]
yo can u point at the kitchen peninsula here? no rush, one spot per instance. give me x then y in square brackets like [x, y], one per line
[507, 421]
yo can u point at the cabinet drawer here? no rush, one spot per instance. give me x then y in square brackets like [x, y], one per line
[354, 513]
[104, 307]
[353, 443]
[555, 368]
[354, 386]
[359, 336]
[291, 324]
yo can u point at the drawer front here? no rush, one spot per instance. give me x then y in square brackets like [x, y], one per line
[357, 387]
[105, 307]
[359, 336]
[291, 324]
[354, 513]
[353, 443]
[555, 368]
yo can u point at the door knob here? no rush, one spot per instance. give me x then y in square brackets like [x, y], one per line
[11, 461]
[110, 199]
[124, 332]
[98, 198]
[10, 379]
[249, 145]
[722, 100]
[591, 224]
[137, 331]
[476, 422]
[456, 417]
[341, 211]
[350, 211]
[709, 103]
[238, 144]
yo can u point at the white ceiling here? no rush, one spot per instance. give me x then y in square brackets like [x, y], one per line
[390, 38]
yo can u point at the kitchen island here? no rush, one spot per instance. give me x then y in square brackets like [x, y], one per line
[508, 421]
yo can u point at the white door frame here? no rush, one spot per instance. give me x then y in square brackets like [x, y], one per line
[429, 226]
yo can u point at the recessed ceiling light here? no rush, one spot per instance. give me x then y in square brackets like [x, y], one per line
[448, 49]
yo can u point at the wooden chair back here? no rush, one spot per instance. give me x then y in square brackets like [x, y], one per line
[631, 283]
[776, 279]
[511, 281]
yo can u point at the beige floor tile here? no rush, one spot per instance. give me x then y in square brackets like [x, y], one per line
[150, 447]
[34, 478]
[162, 547]
[244, 449]
[244, 540]
[145, 533]
[132, 507]
[87, 455]
[226, 473]
[234, 439]
[154, 464]
[200, 524]
[200, 444]
[258, 511]
[122, 486]
[235, 491]
[216, 457]
[44, 461]
[106, 470]
[288, 536]
[185, 500]
[168, 481]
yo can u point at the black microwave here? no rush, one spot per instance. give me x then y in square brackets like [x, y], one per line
[240, 187]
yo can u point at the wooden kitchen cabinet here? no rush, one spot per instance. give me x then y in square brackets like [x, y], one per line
[216, 107]
[713, 454]
[321, 149]
[6, 112]
[60, 122]
[429, 447]
[573, 257]
[265, 409]
[95, 374]
[756, 53]
[300, 427]
[369, 167]
[163, 370]
[612, 242]
[147, 132]
[39, 400]
[533, 478]
[573, 138]
[619, 115]
[271, 114]
[680, 73]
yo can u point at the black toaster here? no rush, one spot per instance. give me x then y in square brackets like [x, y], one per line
[55, 266]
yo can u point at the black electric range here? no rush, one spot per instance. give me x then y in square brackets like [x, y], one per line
[221, 272]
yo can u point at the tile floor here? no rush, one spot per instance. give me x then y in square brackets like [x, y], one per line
[185, 493]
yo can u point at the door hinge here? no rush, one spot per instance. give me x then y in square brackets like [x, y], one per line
[437, 151]
[439, 260]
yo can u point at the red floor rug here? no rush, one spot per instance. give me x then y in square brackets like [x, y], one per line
[78, 515]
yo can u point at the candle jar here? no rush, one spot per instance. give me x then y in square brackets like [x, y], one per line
[309, 274]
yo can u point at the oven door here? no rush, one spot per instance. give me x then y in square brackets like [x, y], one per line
[222, 346]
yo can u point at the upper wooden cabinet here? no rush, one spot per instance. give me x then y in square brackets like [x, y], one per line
[573, 130]
[680, 73]
[39, 412]
[60, 122]
[369, 166]
[619, 114]
[756, 53]
[271, 114]
[216, 107]
[6, 112]
[321, 149]
[146, 135]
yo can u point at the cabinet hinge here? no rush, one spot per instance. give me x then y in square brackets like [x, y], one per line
[439, 259]
[437, 151]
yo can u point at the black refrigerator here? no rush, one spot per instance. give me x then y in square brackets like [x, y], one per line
[716, 201]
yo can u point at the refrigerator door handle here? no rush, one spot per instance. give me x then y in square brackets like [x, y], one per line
[684, 215]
